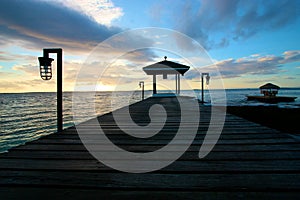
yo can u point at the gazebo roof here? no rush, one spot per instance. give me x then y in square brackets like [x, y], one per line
[269, 86]
[166, 67]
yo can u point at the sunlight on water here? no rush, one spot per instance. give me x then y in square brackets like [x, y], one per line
[28, 116]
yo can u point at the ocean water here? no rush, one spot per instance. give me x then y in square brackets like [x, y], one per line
[28, 116]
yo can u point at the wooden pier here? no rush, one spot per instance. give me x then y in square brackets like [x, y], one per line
[249, 161]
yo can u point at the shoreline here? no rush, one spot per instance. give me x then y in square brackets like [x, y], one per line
[282, 119]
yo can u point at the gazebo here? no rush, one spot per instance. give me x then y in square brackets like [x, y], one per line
[164, 68]
[269, 89]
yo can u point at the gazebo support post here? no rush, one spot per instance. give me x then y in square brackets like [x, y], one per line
[178, 83]
[202, 91]
[154, 84]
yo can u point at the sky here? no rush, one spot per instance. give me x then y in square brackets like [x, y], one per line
[106, 43]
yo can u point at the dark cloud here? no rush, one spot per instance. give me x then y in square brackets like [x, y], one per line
[257, 66]
[49, 24]
[260, 65]
[140, 57]
[229, 20]
[261, 80]
[192, 74]
[292, 56]
[8, 56]
[290, 78]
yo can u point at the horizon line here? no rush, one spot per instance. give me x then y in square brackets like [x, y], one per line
[139, 90]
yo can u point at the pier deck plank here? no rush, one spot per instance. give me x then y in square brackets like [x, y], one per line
[249, 160]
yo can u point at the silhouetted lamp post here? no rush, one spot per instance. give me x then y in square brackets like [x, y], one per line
[46, 74]
[202, 84]
[141, 84]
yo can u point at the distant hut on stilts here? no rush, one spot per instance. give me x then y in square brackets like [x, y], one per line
[270, 91]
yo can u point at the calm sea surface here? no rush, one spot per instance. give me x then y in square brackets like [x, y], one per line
[28, 116]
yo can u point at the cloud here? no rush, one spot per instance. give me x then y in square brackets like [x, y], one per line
[291, 56]
[227, 20]
[258, 65]
[40, 24]
[290, 78]
[102, 11]
[24, 85]
[8, 86]
[56, 23]
[125, 69]
[4, 57]
[9, 56]
[29, 69]
[260, 80]
[26, 78]
[126, 72]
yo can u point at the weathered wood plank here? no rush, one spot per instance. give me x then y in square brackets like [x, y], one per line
[126, 181]
[238, 130]
[23, 192]
[142, 148]
[190, 155]
[120, 135]
[180, 166]
[140, 141]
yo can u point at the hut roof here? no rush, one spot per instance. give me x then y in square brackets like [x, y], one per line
[269, 86]
[166, 67]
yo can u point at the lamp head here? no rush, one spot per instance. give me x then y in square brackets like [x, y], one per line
[45, 67]
[207, 79]
[141, 83]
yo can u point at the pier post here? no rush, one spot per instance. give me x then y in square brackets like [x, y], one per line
[142, 85]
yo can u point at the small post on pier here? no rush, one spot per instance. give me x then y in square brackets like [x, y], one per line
[202, 84]
[141, 84]
[46, 74]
